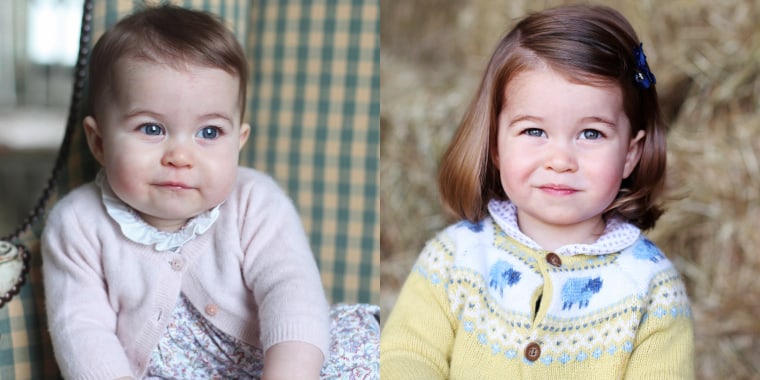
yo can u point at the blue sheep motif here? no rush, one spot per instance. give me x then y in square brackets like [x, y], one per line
[502, 274]
[579, 290]
[646, 250]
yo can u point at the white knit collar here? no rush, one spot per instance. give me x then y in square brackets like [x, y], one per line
[137, 230]
[617, 235]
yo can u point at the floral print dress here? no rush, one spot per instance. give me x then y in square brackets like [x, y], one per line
[192, 348]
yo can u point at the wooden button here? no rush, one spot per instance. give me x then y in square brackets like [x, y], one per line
[532, 351]
[211, 309]
[554, 259]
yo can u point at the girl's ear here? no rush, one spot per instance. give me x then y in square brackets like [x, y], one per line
[632, 157]
[494, 156]
[493, 149]
[94, 138]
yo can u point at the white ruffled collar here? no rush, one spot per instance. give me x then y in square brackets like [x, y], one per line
[617, 235]
[137, 230]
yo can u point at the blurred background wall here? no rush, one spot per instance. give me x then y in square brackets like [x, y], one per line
[706, 56]
[39, 40]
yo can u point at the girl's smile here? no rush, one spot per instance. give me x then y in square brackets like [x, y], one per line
[558, 190]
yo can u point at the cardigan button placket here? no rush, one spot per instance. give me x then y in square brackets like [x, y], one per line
[553, 259]
[532, 351]
[211, 309]
[177, 264]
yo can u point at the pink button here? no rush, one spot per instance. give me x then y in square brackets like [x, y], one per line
[177, 264]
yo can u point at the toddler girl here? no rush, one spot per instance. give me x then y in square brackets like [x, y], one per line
[555, 170]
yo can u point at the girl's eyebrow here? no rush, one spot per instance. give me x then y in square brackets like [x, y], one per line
[599, 119]
[521, 118]
[586, 120]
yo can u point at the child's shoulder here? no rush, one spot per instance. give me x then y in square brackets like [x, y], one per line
[657, 279]
[646, 262]
[86, 190]
[80, 206]
[467, 228]
[247, 175]
[644, 252]
[257, 189]
[465, 234]
[248, 178]
[82, 196]
[252, 182]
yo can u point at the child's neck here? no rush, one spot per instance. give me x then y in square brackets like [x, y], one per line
[553, 236]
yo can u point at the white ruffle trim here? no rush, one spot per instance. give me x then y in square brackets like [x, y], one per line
[617, 235]
[137, 230]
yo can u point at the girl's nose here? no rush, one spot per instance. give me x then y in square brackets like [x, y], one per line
[561, 158]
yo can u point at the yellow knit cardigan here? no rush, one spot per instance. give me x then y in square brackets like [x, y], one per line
[480, 304]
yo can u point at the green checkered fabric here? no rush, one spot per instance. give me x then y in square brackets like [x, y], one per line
[314, 113]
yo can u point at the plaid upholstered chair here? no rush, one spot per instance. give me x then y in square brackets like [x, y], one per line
[314, 113]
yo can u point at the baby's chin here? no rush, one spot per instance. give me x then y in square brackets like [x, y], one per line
[168, 223]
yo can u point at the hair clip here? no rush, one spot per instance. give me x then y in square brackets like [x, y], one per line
[643, 77]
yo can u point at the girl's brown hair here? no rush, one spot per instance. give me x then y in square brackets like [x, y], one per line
[170, 35]
[588, 44]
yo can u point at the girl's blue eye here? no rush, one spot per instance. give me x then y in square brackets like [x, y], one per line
[151, 129]
[591, 134]
[534, 132]
[209, 133]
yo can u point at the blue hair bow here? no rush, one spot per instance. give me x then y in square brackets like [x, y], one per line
[643, 76]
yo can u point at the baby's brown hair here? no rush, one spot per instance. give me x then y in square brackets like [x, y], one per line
[169, 35]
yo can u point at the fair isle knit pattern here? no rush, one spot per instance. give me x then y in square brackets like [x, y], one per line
[590, 312]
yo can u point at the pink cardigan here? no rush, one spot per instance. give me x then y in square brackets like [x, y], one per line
[252, 274]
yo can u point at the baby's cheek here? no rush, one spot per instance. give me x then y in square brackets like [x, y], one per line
[125, 188]
[219, 183]
[125, 181]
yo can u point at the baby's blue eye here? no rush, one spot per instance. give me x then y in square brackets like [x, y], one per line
[209, 133]
[152, 129]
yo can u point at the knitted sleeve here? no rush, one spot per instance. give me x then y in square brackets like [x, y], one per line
[664, 347]
[81, 321]
[279, 266]
[418, 336]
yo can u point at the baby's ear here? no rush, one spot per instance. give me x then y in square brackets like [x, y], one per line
[94, 138]
[632, 157]
[245, 130]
